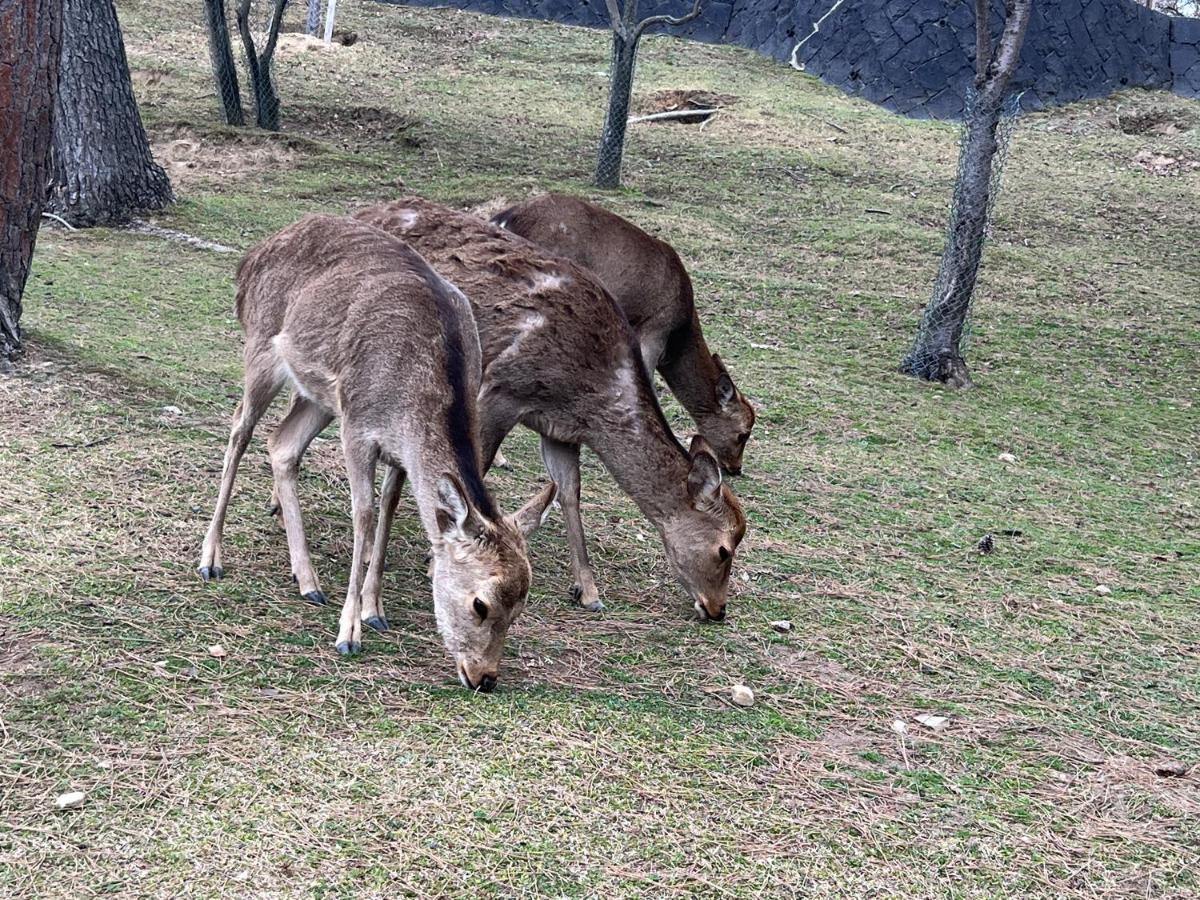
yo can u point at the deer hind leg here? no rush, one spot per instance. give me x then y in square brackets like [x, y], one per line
[652, 346]
[562, 464]
[262, 383]
[304, 421]
[372, 592]
[273, 508]
[360, 470]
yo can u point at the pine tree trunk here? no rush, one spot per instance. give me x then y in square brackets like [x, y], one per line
[612, 139]
[224, 70]
[30, 41]
[102, 172]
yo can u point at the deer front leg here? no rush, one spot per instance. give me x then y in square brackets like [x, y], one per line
[304, 421]
[562, 464]
[372, 592]
[360, 469]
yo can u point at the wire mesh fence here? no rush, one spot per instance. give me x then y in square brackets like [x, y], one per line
[945, 325]
[616, 119]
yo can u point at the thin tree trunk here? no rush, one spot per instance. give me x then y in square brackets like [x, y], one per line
[224, 70]
[102, 172]
[266, 98]
[313, 21]
[936, 354]
[30, 42]
[620, 91]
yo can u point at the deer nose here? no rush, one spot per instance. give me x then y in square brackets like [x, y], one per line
[733, 470]
[487, 683]
[720, 614]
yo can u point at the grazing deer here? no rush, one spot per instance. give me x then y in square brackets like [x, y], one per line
[559, 357]
[366, 331]
[647, 279]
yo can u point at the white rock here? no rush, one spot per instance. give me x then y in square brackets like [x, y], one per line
[782, 625]
[1103, 590]
[933, 723]
[72, 800]
[741, 695]
[899, 727]
[172, 411]
[216, 651]
[1006, 458]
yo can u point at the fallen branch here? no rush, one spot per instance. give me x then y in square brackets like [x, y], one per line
[182, 237]
[60, 220]
[673, 114]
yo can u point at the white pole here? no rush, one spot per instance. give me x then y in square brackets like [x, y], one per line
[329, 22]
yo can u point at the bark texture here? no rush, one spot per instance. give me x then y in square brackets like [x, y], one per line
[224, 70]
[937, 353]
[30, 41]
[102, 172]
[266, 98]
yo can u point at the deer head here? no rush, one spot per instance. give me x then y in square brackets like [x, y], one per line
[727, 427]
[702, 538]
[481, 576]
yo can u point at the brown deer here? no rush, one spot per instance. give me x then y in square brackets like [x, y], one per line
[364, 330]
[650, 284]
[559, 357]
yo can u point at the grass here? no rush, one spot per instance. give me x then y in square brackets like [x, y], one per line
[611, 762]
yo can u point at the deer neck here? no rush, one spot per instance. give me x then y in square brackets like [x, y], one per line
[690, 372]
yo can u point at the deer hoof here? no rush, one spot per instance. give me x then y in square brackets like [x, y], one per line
[348, 648]
[379, 623]
[596, 605]
[316, 598]
[211, 573]
[273, 509]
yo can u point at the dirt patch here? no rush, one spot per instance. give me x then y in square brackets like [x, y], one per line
[299, 42]
[681, 101]
[1156, 121]
[1165, 164]
[198, 156]
[352, 126]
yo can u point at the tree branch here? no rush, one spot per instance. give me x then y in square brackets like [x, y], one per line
[273, 34]
[1008, 52]
[673, 21]
[983, 40]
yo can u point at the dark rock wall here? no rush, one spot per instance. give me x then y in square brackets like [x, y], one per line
[916, 56]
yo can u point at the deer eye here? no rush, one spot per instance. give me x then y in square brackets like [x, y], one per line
[724, 553]
[481, 609]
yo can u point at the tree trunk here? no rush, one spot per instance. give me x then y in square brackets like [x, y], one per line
[936, 354]
[30, 41]
[266, 98]
[102, 172]
[612, 139]
[313, 22]
[224, 70]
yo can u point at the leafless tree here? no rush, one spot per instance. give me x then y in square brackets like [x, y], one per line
[224, 71]
[627, 32]
[266, 98]
[30, 43]
[936, 354]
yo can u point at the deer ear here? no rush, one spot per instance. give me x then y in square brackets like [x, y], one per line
[704, 478]
[726, 392]
[534, 513]
[456, 518]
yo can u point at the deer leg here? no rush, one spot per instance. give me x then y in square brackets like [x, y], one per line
[562, 464]
[262, 384]
[372, 592]
[496, 420]
[360, 469]
[304, 421]
[652, 347]
[273, 507]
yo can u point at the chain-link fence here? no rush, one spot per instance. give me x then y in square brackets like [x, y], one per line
[944, 328]
[243, 75]
[616, 119]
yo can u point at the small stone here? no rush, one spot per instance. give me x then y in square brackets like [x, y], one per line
[741, 695]
[783, 626]
[899, 727]
[1103, 590]
[72, 800]
[1006, 458]
[933, 723]
[172, 411]
[216, 651]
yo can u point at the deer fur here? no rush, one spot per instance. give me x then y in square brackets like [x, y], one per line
[365, 331]
[650, 284]
[559, 357]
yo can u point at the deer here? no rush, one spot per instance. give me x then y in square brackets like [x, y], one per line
[651, 285]
[363, 330]
[561, 359]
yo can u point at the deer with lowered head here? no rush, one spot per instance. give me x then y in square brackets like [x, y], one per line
[650, 284]
[364, 330]
[560, 358]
